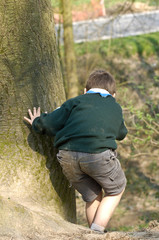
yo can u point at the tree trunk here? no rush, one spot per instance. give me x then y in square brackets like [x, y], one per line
[30, 76]
[70, 76]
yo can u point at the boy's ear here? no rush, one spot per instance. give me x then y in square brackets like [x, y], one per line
[113, 95]
[85, 90]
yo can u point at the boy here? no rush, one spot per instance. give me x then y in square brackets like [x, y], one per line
[86, 129]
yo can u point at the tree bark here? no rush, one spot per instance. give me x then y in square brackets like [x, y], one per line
[70, 76]
[30, 76]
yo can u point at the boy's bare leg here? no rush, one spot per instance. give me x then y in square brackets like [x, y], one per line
[91, 208]
[106, 209]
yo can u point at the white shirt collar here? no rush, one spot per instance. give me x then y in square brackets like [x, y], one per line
[99, 90]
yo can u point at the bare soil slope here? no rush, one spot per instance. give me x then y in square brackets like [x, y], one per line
[29, 221]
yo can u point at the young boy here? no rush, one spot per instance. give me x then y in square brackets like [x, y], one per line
[86, 129]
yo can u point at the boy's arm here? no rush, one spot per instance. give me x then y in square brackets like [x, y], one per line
[48, 123]
[122, 132]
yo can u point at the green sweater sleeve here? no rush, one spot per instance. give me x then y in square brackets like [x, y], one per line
[122, 132]
[51, 123]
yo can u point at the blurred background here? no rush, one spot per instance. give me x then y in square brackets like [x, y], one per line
[121, 37]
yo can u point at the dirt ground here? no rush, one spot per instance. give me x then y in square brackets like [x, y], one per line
[22, 220]
[82, 233]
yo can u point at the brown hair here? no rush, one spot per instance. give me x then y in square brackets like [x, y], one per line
[101, 79]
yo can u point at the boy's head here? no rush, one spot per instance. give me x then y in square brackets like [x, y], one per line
[101, 79]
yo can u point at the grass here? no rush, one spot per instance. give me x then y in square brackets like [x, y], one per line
[150, 215]
[114, 54]
[107, 3]
[121, 229]
[143, 46]
[112, 3]
[128, 228]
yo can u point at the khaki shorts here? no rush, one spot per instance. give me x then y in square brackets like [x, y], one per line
[90, 173]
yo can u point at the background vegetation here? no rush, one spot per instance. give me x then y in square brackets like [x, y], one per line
[134, 62]
[108, 3]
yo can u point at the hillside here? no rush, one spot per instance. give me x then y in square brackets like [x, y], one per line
[133, 61]
[41, 224]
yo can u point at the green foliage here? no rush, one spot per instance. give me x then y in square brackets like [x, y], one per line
[107, 3]
[80, 2]
[144, 127]
[157, 195]
[156, 81]
[55, 3]
[115, 2]
[153, 168]
[150, 215]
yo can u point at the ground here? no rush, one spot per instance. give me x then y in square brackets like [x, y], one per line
[22, 220]
[79, 233]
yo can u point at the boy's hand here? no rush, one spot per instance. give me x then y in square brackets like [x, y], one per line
[35, 114]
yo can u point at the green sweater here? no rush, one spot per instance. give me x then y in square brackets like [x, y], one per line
[87, 123]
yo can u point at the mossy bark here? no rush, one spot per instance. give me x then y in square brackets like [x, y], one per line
[70, 75]
[30, 76]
